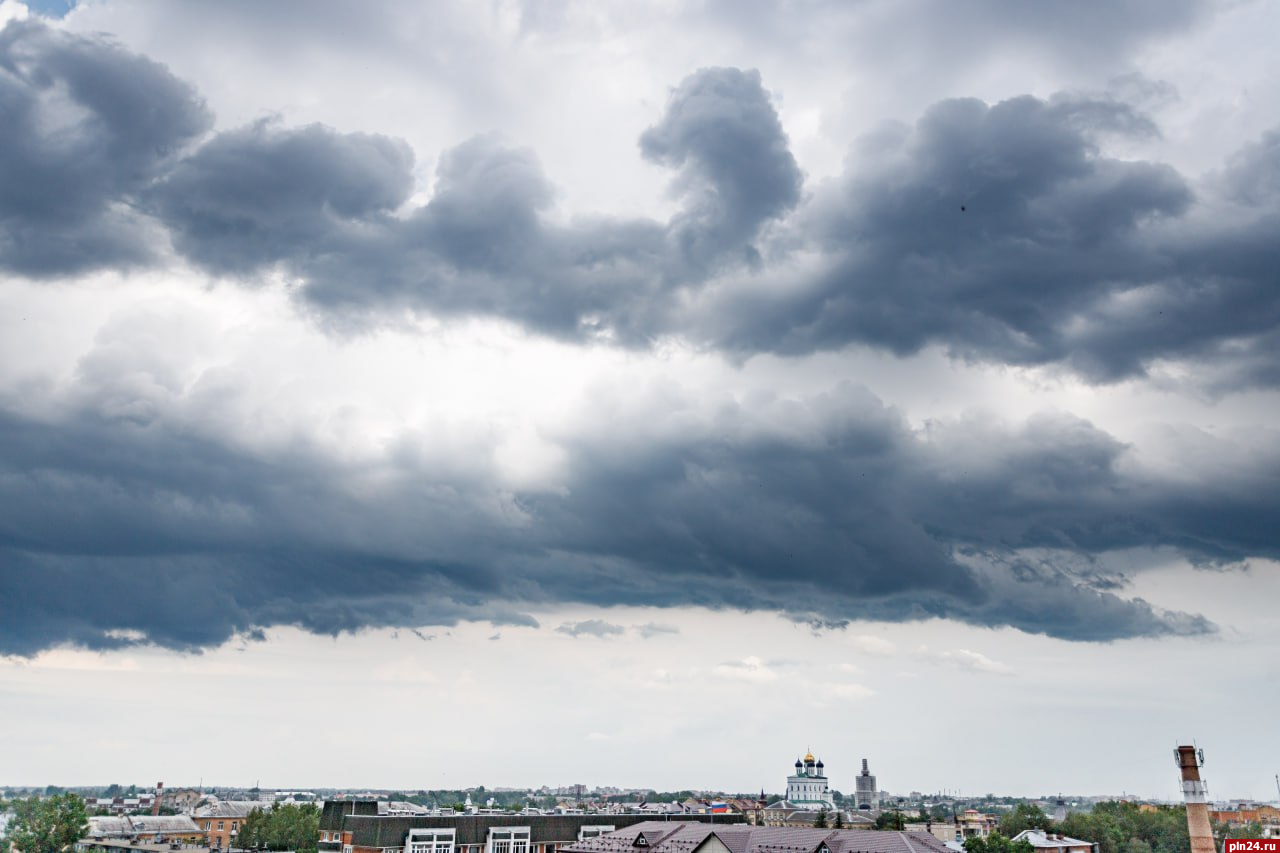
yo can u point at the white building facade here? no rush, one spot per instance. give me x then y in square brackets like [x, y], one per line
[808, 787]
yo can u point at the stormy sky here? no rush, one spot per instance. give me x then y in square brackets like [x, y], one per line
[562, 392]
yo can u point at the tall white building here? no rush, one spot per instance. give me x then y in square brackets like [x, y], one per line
[807, 788]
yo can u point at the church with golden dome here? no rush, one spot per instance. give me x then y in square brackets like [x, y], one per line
[808, 788]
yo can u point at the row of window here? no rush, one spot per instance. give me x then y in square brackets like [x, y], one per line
[208, 825]
[506, 839]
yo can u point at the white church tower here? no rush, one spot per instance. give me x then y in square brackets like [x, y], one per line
[807, 788]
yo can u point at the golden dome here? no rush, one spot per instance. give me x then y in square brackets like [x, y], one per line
[808, 758]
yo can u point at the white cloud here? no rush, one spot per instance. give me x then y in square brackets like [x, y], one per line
[969, 660]
[875, 646]
[12, 10]
[748, 669]
[847, 691]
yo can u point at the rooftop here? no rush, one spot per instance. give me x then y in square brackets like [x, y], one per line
[664, 837]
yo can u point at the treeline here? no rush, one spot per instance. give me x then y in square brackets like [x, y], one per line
[51, 824]
[1115, 827]
[1126, 828]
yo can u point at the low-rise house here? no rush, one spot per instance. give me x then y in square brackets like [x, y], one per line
[182, 800]
[1263, 814]
[144, 829]
[121, 805]
[222, 820]
[1053, 842]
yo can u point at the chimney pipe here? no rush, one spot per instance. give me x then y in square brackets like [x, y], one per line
[1193, 792]
[155, 804]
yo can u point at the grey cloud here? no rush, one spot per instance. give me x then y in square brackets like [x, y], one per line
[737, 172]
[1253, 173]
[986, 229]
[597, 628]
[480, 245]
[261, 194]
[818, 624]
[649, 630]
[961, 38]
[1061, 256]
[110, 523]
[87, 127]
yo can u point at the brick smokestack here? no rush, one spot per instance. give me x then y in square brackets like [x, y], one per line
[155, 804]
[1193, 792]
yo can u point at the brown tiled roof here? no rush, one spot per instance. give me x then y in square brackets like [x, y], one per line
[686, 838]
[391, 830]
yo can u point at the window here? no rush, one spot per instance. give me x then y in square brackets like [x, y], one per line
[220, 826]
[508, 839]
[593, 831]
[430, 841]
[235, 824]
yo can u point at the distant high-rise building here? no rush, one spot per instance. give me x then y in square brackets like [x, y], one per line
[865, 792]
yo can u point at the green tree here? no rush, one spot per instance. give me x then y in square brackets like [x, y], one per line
[820, 822]
[839, 822]
[891, 821]
[1024, 816]
[47, 824]
[252, 832]
[1115, 826]
[996, 842]
[289, 826]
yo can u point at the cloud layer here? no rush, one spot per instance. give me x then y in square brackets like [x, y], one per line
[999, 232]
[1006, 233]
[118, 521]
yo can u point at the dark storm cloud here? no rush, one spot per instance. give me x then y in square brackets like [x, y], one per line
[736, 171]
[259, 195]
[481, 245]
[998, 232]
[119, 525]
[87, 126]
[987, 229]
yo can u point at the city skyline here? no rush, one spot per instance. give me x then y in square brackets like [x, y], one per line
[636, 392]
